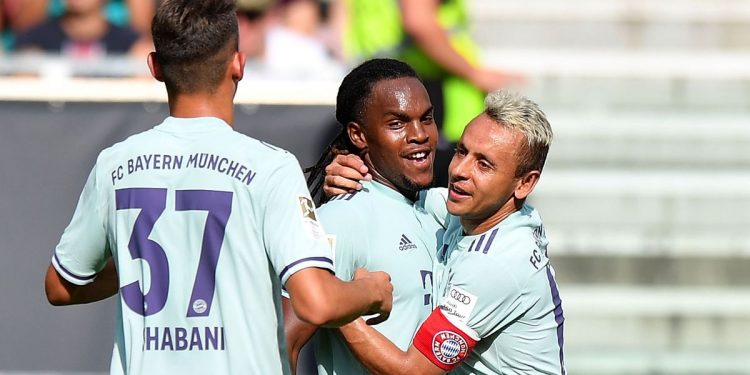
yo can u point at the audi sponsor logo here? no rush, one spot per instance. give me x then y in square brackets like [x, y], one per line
[460, 297]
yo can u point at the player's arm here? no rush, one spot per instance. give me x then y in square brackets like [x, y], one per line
[380, 356]
[320, 298]
[344, 174]
[420, 19]
[297, 332]
[61, 292]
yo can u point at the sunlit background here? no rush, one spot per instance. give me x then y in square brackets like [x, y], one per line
[645, 196]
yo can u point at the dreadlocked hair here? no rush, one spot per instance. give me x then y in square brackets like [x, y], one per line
[351, 103]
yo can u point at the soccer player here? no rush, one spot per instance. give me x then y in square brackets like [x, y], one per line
[499, 310]
[203, 224]
[386, 118]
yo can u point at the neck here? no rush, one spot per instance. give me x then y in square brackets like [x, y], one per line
[202, 105]
[376, 176]
[477, 226]
[410, 195]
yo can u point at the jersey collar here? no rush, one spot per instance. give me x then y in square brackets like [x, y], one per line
[194, 124]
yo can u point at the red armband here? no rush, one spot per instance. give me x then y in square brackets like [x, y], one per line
[442, 342]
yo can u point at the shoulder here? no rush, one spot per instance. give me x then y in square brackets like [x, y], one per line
[518, 244]
[344, 210]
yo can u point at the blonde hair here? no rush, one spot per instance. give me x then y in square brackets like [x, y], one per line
[515, 111]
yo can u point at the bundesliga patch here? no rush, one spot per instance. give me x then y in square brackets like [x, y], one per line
[314, 229]
[449, 347]
[308, 208]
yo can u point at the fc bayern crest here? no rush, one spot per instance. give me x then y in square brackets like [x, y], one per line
[449, 347]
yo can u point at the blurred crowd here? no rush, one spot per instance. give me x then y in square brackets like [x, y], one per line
[285, 37]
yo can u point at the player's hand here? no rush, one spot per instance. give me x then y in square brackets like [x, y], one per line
[344, 174]
[490, 80]
[382, 289]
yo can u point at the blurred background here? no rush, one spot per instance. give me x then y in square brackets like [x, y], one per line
[645, 196]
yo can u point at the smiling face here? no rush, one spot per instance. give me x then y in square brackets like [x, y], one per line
[398, 134]
[483, 187]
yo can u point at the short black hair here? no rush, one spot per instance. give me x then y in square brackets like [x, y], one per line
[353, 96]
[194, 41]
[356, 88]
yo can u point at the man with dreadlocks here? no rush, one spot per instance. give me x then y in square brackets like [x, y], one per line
[386, 118]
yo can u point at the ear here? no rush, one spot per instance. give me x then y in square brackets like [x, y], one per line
[357, 135]
[154, 67]
[237, 66]
[526, 185]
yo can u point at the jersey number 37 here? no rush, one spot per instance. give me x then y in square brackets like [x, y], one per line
[152, 203]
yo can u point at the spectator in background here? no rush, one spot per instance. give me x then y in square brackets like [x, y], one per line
[19, 15]
[252, 20]
[284, 37]
[433, 37]
[82, 31]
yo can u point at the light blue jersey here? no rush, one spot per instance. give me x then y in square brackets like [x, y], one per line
[205, 226]
[381, 230]
[499, 289]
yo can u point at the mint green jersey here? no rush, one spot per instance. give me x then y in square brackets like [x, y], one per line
[205, 225]
[498, 288]
[379, 229]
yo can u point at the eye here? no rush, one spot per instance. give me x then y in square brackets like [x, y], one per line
[484, 165]
[395, 124]
[428, 119]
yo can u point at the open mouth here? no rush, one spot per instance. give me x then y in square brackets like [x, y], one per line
[456, 193]
[419, 157]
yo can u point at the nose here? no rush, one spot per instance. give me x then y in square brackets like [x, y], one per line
[416, 133]
[459, 168]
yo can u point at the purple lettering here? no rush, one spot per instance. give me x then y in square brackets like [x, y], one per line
[138, 164]
[213, 160]
[249, 178]
[166, 340]
[195, 339]
[131, 167]
[181, 338]
[193, 160]
[202, 160]
[223, 165]
[232, 167]
[212, 338]
[177, 162]
[157, 160]
[240, 172]
[148, 337]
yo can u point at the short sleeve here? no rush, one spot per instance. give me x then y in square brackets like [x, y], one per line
[83, 250]
[292, 235]
[345, 237]
[482, 296]
[434, 200]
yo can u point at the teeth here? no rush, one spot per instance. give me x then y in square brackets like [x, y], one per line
[418, 155]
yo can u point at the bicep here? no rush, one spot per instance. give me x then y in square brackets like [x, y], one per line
[292, 235]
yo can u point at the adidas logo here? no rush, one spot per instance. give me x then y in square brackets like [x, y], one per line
[406, 244]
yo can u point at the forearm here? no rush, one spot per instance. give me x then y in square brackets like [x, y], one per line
[61, 292]
[349, 301]
[378, 354]
[321, 299]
